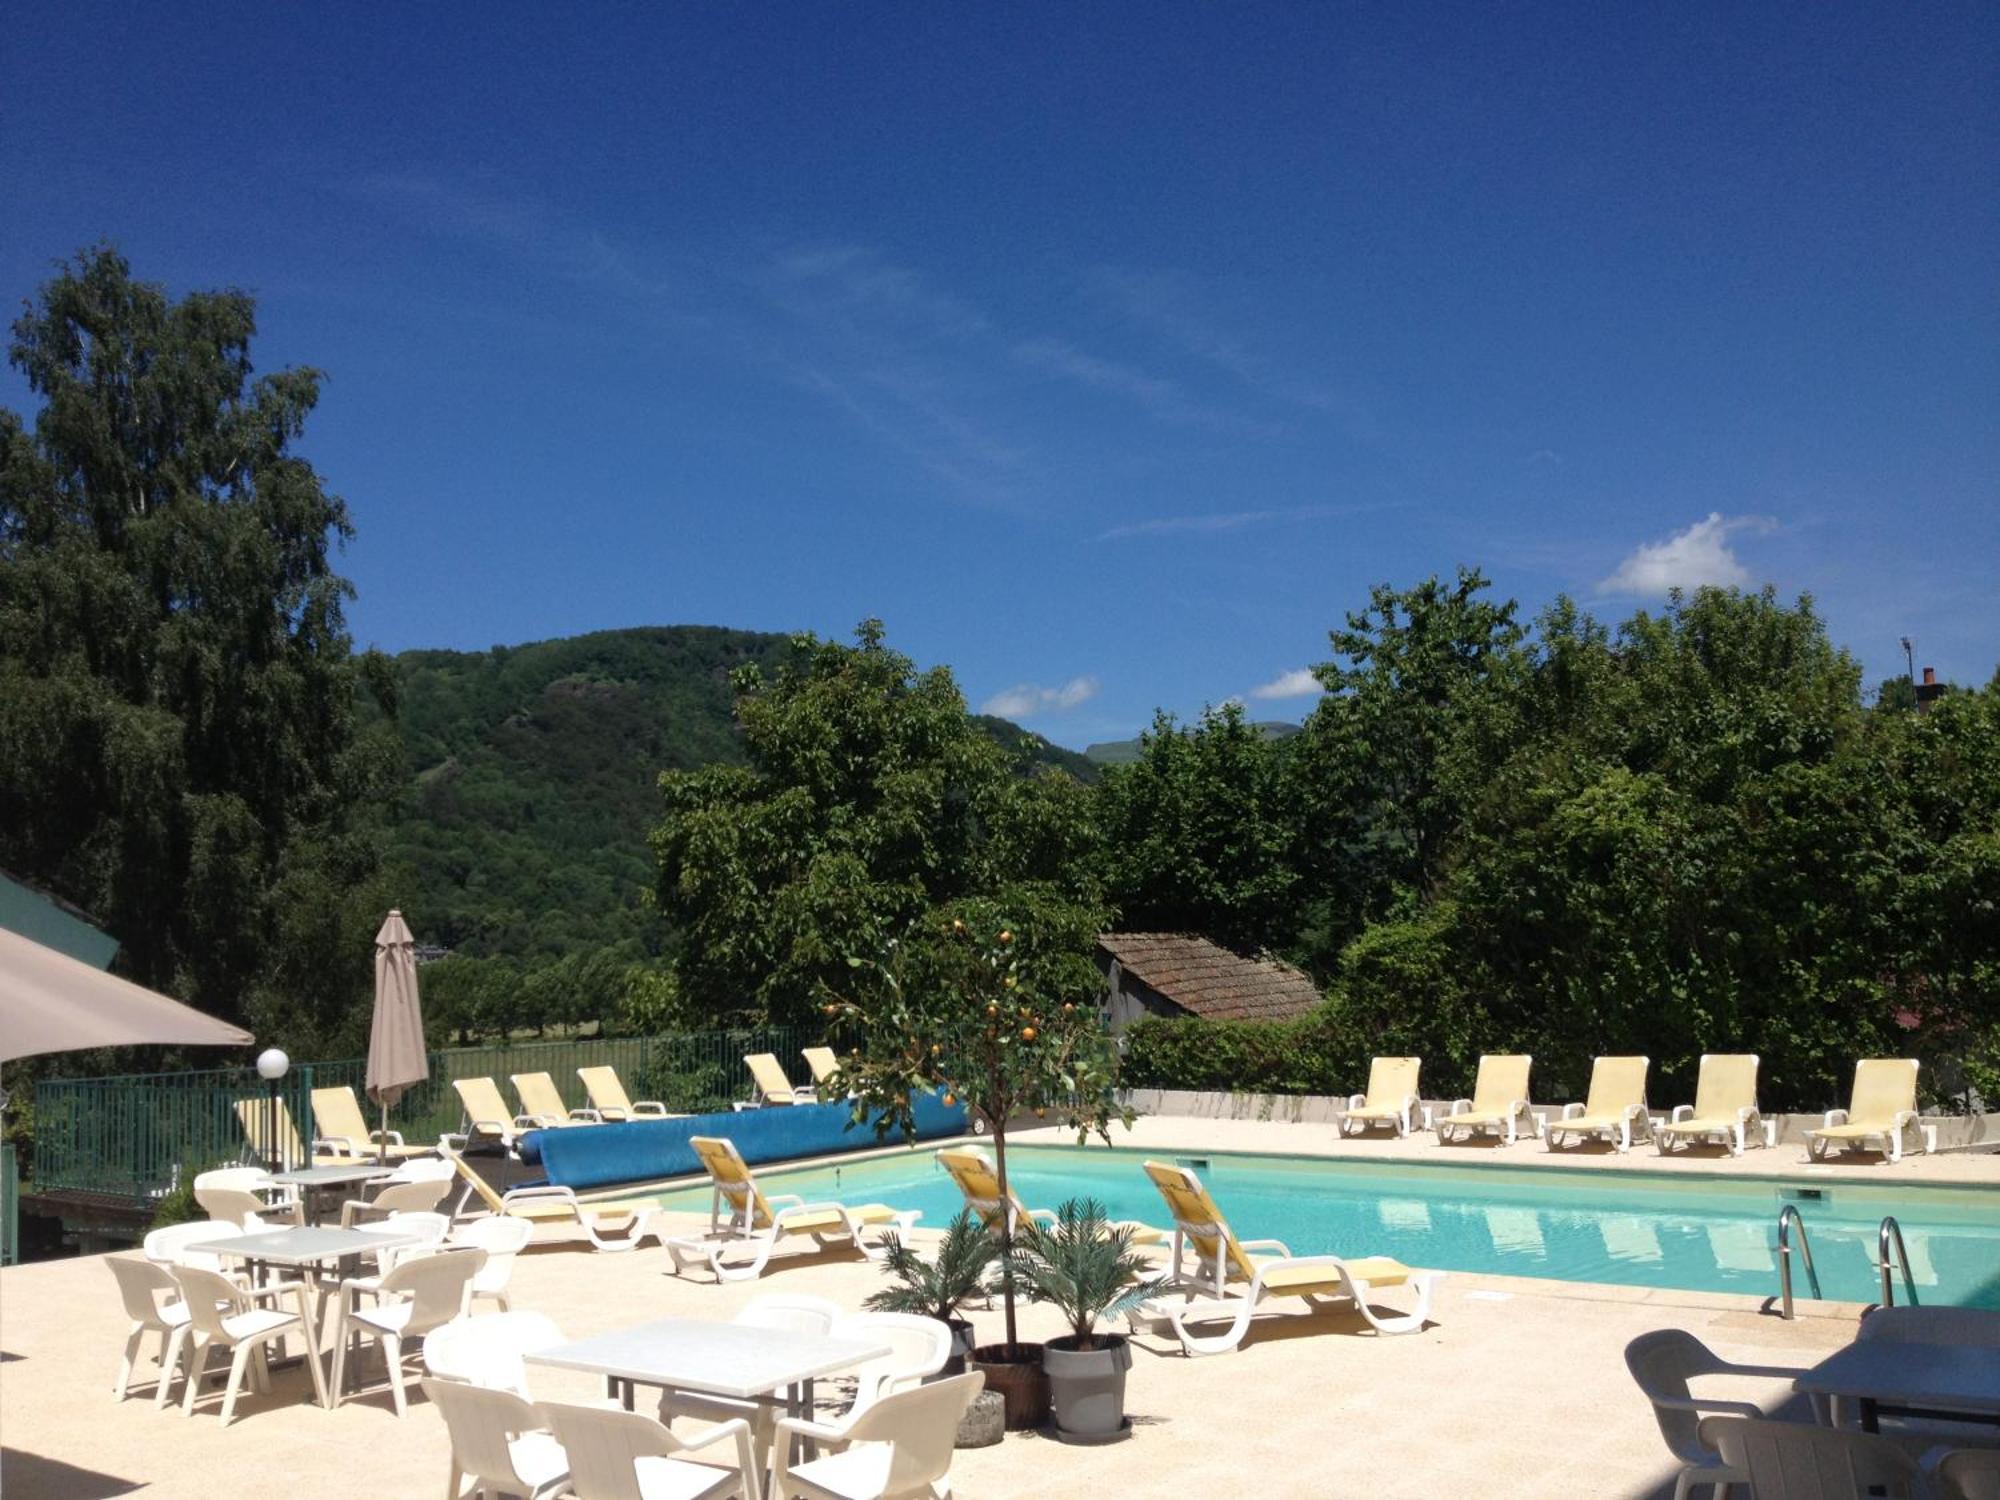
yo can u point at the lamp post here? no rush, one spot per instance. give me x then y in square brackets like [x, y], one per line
[271, 1065]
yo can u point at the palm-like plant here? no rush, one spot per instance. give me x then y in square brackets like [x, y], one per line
[1084, 1267]
[936, 1288]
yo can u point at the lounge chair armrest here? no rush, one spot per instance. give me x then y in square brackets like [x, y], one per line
[1633, 1112]
[1833, 1117]
[588, 1116]
[1041, 1215]
[1904, 1118]
[1572, 1112]
[547, 1192]
[1458, 1107]
[392, 1137]
[649, 1107]
[339, 1145]
[490, 1127]
[1356, 1101]
[1680, 1112]
[1746, 1114]
[533, 1122]
[793, 1200]
[1278, 1245]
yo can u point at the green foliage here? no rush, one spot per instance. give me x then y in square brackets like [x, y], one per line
[1083, 1267]
[180, 748]
[1307, 1056]
[940, 1287]
[1200, 831]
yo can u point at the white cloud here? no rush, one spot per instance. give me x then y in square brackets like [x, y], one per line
[1024, 700]
[1296, 684]
[1695, 558]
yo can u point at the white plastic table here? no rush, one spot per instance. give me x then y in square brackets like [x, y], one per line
[1910, 1379]
[770, 1366]
[315, 1180]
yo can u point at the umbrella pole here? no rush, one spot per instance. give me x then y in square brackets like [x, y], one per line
[382, 1140]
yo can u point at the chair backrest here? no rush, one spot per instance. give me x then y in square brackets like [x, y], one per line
[1883, 1088]
[167, 1246]
[411, 1197]
[232, 1205]
[479, 1185]
[502, 1238]
[480, 1420]
[1662, 1363]
[919, 1346]
[822, 1062]
[794, 1312]
[438, 1284]
[921, 1424]
[255, 1116]
[210, 1297]
[1933, 1325]
[606, 1090]
[337, 1114]
[424, 1169]
[1804, 1461]
[604, 1447]
[139, 1282]
[1968, 1474]
[431, 1226]
[730, 1175]
[1728, 1082]
[244, 1179]
[1197, 1217]
[539, 1095]
[1391, 1080]
[768, 1076]
[978, 1182]
[1616, 1083]
[482, 1102]
[490, 1350]
[1503, 1079]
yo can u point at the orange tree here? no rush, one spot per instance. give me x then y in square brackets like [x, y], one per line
[993, 1001]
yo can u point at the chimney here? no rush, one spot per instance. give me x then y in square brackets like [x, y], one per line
[1929, 690]
[1930, 676]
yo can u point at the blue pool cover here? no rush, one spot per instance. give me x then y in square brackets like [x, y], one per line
[600, 1156]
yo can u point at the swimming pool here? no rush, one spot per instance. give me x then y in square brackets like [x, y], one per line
[1632, 1227]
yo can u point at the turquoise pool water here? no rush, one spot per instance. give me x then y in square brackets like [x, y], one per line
[1632, 1227]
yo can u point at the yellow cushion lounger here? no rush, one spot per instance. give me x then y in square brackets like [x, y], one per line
[486, 1113]
[1499, 1101]
[773, 1087]
[822, 1062]
[1391, 1098]
[979, 1183]
[1883, 1105]
[609, 1099]
[253, 1115]
[542, 1103]
[740, 1215]
[1724, 1108]
[1616, 1108]
[338, 1125]
[611, 1224]
[1221, 1259]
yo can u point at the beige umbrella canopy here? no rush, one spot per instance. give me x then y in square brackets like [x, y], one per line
[50, 1002]
[396, 1055]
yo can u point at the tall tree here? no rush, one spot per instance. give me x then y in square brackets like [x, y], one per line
[179, 749]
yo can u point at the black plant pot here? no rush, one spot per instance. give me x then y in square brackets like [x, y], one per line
[1087, 1386]
[961, 1346]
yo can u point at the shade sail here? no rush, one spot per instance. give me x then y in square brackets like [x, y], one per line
[396, 1055]
[50, 1002]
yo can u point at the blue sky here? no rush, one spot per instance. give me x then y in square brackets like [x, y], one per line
[1108, 353]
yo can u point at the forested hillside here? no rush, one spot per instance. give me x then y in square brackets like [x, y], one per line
[533, 781]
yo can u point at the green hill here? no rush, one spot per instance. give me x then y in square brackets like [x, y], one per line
[533, 780]
[1124, 752]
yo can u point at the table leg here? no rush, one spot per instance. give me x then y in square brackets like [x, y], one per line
[806, 1411]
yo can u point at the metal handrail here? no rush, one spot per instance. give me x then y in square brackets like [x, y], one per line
[1788, 1216]
[1891, 1228]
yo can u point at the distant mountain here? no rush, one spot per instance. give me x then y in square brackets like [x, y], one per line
[1124, 752]
[534, 776]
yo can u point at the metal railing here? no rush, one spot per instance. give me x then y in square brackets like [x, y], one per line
[1890, 1232]
[1788, 1216]
[137, 1135]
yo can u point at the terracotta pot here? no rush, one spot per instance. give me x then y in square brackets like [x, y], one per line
[1015, 1372]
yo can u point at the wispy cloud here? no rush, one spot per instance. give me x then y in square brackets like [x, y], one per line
[1025, 700]
[1231, 520]
[1295, 684]
[1701, 556]
[1059, 358]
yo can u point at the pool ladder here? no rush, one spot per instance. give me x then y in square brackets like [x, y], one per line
[1890, 1233]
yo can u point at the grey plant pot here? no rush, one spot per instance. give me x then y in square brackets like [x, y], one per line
[1087, 1386]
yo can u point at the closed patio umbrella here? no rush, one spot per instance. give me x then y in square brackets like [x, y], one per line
[396, 1056]
[50, 1002]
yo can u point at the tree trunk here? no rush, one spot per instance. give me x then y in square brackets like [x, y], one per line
[999, 1127]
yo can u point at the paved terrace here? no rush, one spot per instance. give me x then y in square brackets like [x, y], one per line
[1518, 1388]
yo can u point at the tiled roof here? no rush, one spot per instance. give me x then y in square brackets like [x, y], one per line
[1210, 981]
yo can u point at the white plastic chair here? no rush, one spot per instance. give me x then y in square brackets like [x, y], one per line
[1663, 1362]
[424, 1169]
[222, 1313]
[421, 1293]
[627, 1455]
[919, 1348]
[502, 1239]
[167, 1247]
[141, 1284]
[241, 1206]
[1805, 1461]
[421, 1196]
[499, 1441]
[1966, 1473]
[898, 1449]
[490, 1351]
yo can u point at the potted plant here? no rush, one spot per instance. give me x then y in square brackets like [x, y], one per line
[939, 1287]
[1086, 1269]
[1002, 1014]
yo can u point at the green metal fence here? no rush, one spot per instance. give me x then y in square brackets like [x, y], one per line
[137, 1134]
